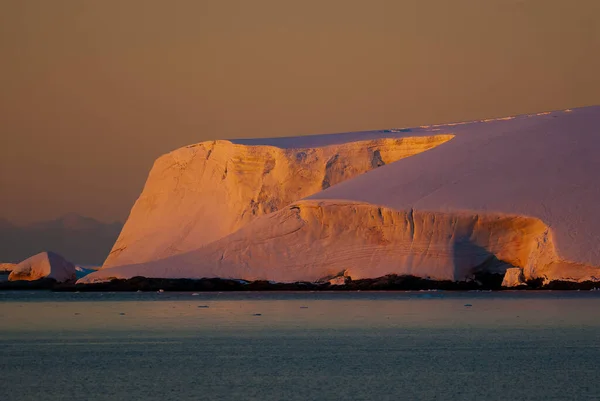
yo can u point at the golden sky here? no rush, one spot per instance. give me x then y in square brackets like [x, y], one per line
[92, 91]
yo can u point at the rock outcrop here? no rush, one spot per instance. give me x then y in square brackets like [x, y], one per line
[45, 265]
[518, 192]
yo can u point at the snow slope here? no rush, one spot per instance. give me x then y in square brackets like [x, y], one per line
[502, 193]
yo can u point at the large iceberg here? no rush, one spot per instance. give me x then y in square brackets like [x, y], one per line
[442, 202]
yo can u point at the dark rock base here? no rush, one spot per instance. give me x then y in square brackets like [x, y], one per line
[484, 282]
[385, 283]
[43, 284]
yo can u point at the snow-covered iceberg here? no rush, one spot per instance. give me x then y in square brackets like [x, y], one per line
[515, 192]
[45, 265]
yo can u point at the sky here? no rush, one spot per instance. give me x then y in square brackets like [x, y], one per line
[92, 92]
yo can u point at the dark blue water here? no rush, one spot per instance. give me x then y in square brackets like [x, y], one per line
[300, 346]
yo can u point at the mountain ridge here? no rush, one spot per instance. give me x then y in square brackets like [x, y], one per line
[78, 238]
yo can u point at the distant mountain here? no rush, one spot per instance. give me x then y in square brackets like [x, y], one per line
[81, 240]
[70, 221]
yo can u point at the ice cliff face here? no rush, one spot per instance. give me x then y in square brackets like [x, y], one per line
[514, 193]
[201, 193]
[309, 240]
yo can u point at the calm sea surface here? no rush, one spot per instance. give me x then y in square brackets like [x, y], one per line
[300, 346]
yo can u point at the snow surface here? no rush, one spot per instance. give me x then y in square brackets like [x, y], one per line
[44, 265]
[502, 193]
[544, 166]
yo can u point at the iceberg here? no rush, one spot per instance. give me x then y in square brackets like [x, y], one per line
[44, 265]
[443, 202]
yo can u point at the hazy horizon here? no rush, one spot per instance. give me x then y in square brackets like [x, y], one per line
[93, 92]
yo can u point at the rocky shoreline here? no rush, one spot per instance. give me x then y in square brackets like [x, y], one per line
[487, 282]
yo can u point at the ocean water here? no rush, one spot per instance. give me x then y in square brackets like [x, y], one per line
[300, 346]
